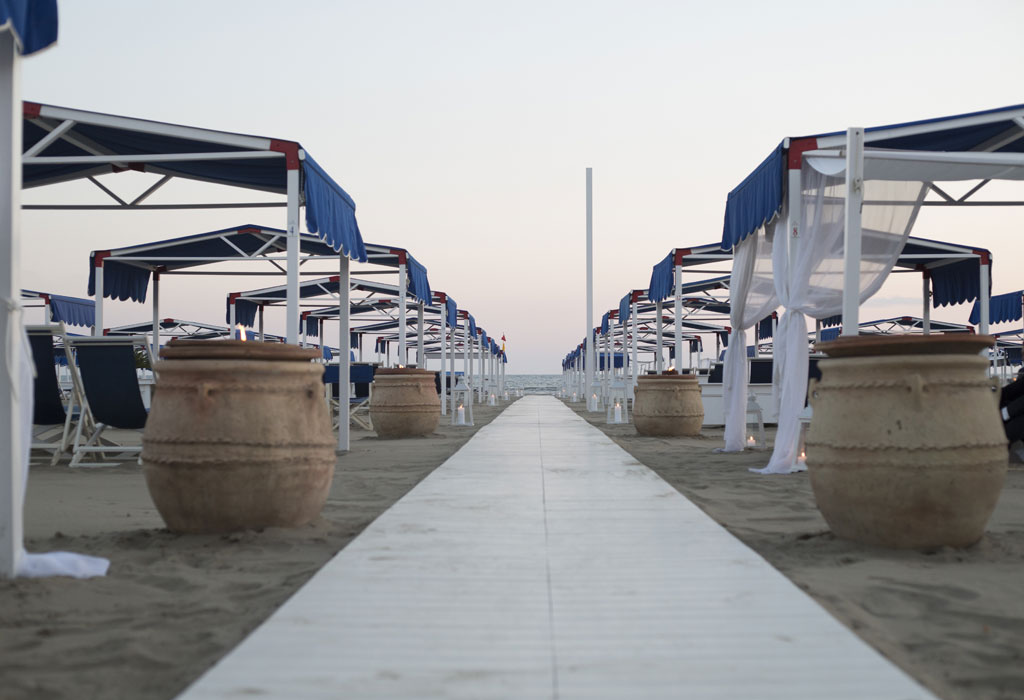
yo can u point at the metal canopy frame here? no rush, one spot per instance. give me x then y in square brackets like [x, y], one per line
[64, 125]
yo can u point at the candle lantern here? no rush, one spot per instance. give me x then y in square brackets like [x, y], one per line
[462, 401]
[756, 439]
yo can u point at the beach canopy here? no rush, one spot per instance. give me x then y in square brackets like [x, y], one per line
[127, 271]
[995, 137]
[952, 267]
[898, 325]
[73, 311]
[185, 329]
[247, 303]
[62, 144]
[1001, 308]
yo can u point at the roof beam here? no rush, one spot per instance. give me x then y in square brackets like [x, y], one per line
[102, 207]
[42, 143]
[156, 185]
[106, 189]
[151, 158]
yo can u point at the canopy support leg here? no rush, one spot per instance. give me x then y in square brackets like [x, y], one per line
[926, 294]
[11, 475]
[678, 364]
[292, 306]
[852, 232]
[344, 353]
[155, 352]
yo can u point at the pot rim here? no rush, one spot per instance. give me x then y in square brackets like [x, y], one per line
[874, 345]
[236, 350]
[401, 370]
[657, 377]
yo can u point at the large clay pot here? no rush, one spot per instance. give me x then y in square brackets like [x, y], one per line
[906, 447]
[238, 437]
[404, 403]
[667, 405]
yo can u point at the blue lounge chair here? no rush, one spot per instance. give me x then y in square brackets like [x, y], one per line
[112, 392]
[53, 412]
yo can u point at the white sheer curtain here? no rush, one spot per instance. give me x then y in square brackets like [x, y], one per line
[751, 297]
[813, 284]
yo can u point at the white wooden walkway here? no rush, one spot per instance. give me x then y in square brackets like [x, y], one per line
[543, 561]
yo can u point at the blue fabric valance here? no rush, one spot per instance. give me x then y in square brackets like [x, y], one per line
[120, 281]
[764, 328]
[754, 201]
[625, 307]
[451, 312]
[312, 326]
[72, 311]
[245, 312]
[33, 23]
[660, 287]
[1001, 308]
[956, 283]
[604, 323]
[330, 212]
[419, 287]
[472, 325]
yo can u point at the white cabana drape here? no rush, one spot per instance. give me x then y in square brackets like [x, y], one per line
[809, 279]
[752, 297]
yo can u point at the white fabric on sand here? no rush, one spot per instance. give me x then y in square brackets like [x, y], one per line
[50, 563]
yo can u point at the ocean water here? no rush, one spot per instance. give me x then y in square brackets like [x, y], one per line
[534, 383]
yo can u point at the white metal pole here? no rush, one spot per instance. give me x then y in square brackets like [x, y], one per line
[344, 355]
[983, 297]
[292, 305]
[451, 360]
[679, 318]
[444, 356]
[262, 334]
[466, 364]
[231, 317]
[659, 338]
[12, 483]
[480, 360]
[156, 317]
[589, 326]
[421, 358]
[97, 328]
[926, 314]
[636, 347]
[403, 283]
[852, 232]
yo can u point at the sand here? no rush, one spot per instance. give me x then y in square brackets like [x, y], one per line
[172, 605]
[952, 619]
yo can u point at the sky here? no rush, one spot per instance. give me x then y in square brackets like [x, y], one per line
[462, 130]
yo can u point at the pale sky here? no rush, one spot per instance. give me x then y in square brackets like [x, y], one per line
[462, 130]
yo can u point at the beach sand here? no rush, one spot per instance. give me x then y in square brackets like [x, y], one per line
[952, 619]
[172, 605]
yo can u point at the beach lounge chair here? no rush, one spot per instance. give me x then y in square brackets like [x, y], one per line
[360, 381]
[53, 413]
[361, 377]
[112, 394]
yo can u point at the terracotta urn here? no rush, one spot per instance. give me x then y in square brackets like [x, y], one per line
[668, 405]
[906, 447]
[238, 436]
[404, 403]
